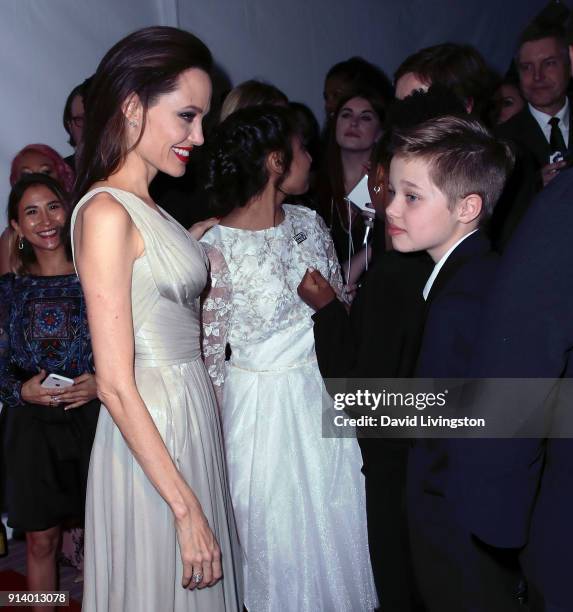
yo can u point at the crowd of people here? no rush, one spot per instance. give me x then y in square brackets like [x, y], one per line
[171, 315]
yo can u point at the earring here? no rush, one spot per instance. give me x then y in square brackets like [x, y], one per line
[132, 123]
[21, 243]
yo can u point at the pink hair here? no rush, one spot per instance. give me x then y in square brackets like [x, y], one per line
[64, 174]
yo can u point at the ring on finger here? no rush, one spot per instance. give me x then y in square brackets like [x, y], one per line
[197, 577]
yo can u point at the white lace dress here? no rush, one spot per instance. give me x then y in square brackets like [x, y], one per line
[298, 497]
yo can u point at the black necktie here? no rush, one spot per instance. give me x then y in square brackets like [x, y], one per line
[556, 141]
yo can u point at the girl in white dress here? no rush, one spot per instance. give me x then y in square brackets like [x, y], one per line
[298, 497]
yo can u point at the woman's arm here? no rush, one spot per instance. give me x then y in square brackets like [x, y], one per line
[107, 244]
[10, 386]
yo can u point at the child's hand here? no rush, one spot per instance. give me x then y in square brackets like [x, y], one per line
[315, 290]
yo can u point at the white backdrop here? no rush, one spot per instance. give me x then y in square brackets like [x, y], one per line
[49, 46]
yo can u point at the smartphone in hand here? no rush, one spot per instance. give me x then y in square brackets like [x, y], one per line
[55, 381]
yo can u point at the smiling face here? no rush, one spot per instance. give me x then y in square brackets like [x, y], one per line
[41, 219]
[173, 124]
[357, 126]
[544, 74]
[419, 216]
[34, 162]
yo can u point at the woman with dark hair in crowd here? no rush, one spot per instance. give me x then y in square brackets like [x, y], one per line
[44, 330]
[298, 496]
[157, 489]
[350, 75]
[34, 159]
[350, 145]
[507, 101]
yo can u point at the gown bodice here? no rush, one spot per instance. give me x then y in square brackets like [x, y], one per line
[167, 281]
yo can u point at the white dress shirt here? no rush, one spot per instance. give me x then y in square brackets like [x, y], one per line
[440, 264]
[543, 121]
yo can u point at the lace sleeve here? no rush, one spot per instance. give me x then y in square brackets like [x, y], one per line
[215, 314]
[10, 386]
[334, 273]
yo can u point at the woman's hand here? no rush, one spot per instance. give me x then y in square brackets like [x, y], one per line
[197, 230]
[200, 552]
[83, 390]
[32, 391]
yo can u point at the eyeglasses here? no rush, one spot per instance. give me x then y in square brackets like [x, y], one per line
[78, 121]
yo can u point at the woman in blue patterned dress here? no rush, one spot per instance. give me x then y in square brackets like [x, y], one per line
[43, 330]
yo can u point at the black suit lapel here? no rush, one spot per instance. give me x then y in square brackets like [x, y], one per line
[473, 245]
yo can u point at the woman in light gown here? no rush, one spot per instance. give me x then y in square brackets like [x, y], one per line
[298, 497]
[159, 528]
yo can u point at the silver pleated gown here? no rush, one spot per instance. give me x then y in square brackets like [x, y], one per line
[132, 558]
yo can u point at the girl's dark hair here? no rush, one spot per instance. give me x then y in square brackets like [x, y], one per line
[238, 153]
[147, 63]
[330, 185]
[22, 259]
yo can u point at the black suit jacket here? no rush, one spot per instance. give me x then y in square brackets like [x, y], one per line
[519, 493]
[381, 337]
[524, 131]
[532, 153]
[454, 305]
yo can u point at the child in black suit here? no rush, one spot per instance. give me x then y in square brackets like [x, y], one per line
[445, 177]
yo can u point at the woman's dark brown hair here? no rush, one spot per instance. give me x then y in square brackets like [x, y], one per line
[22, 259]
[146, 63]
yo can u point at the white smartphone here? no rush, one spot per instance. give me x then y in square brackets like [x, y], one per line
[360, 196]
[55, 381]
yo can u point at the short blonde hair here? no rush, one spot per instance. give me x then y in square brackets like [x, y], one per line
[463, 157]
[252, 93]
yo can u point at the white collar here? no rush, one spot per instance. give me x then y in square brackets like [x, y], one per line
[440, 264]
[543, 118]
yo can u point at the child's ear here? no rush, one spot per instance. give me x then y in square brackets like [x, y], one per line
[275, 163]
[470, 207]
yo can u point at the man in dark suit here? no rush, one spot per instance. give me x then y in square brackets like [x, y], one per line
[518, 493]
[542, 128]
